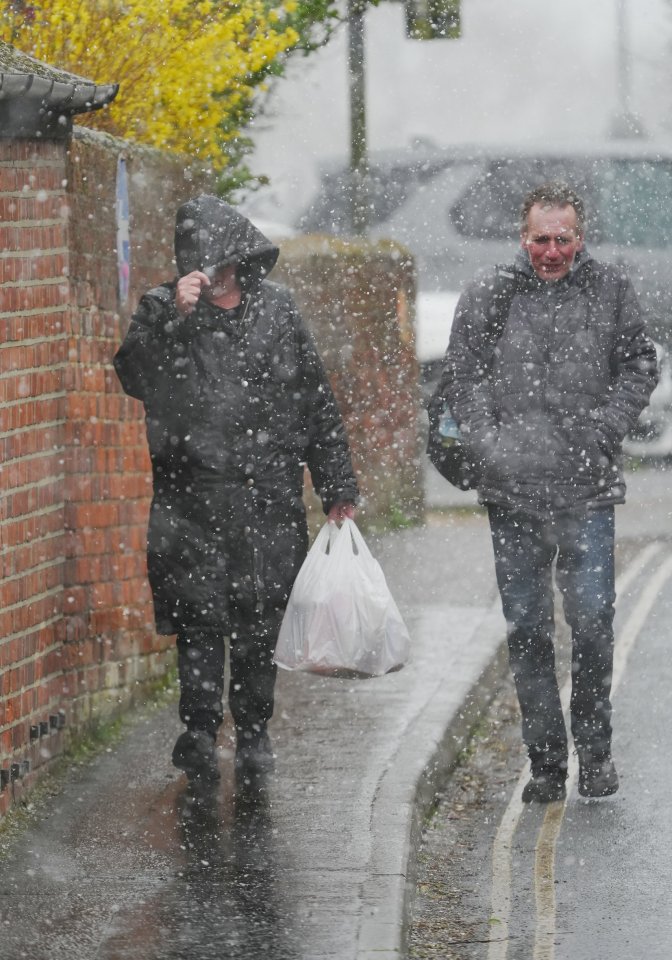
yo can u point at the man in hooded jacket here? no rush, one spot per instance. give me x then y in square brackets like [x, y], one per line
[543, 411]
[237, 402]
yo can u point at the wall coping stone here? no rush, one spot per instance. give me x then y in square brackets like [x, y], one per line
[39, 101]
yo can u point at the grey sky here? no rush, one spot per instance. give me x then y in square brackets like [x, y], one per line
[523, 69]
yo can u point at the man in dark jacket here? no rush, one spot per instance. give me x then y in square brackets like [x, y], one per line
[543, 412]
[237, 402]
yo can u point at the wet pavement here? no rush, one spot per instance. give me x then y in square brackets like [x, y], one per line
[123, 864]
[316, 863]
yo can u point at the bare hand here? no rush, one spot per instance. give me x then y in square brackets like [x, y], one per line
[189, 289]
[340, 511]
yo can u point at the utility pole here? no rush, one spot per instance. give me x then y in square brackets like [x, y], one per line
[425, 20]
[625, 124]
[358, 158]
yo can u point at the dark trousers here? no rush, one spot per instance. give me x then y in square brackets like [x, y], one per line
[200, 659]
[582, 546]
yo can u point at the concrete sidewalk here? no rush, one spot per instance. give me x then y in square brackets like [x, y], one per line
[121, 864]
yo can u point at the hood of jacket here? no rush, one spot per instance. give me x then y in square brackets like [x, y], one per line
[210, 233]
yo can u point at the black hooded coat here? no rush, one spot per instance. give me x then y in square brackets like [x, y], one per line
[236, 403]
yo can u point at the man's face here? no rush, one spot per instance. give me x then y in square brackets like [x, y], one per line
[552, 240]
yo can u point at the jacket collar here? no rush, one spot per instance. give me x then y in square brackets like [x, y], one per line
[576, 274]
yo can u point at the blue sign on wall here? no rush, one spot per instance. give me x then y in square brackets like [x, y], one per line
[123, 232]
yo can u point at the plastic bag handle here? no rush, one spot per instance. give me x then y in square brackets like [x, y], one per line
[358, 541]
[324, 541]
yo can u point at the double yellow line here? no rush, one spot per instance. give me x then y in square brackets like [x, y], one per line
[544, 858]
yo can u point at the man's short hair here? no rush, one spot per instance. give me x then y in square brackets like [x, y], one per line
[555, 193]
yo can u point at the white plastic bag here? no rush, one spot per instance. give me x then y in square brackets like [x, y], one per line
[341, 618]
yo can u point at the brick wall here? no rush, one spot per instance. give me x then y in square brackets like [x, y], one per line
[77, 640]
[76, 627]
[33, 352]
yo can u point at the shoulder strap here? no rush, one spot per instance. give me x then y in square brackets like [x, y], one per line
[506, 284]
[499, 289]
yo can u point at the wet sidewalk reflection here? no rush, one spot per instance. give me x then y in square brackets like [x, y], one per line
[225, 899]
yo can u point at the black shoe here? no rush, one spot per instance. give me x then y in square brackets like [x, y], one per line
[545, 786]
[597, 774]
[254, 753]
[194, 752]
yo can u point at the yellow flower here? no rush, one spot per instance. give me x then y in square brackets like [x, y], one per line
[189, 70]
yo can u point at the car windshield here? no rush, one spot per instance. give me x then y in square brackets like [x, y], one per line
[490, 208]
[628, 202]
[635, 203]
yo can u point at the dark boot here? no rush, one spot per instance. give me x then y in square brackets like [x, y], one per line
[546, 787]
[254, 753]
[597, 774]
[547, 783]
[194, 752]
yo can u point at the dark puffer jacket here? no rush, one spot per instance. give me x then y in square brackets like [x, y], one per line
[545, 411]
[237, 403]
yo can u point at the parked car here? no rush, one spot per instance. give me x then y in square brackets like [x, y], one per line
[457, 210]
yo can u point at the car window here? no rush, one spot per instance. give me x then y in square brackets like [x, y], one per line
[635, 200]
[628, 202]
[490, 208]
[331, 211]
[386, 188]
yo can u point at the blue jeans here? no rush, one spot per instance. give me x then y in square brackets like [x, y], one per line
[582, 546]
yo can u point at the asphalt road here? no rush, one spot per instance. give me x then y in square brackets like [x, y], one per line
[583, 880]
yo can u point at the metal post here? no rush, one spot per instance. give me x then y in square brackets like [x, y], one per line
[625, 123]
[623, 60]
[358, 163]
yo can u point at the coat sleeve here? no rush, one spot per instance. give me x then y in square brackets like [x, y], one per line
[141, 352]
[634, 372]
[464, 384]
[327, 450]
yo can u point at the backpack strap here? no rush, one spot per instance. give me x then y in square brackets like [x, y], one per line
[502, 288]
[498, 292]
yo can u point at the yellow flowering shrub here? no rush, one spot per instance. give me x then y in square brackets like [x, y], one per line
[190, 71]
